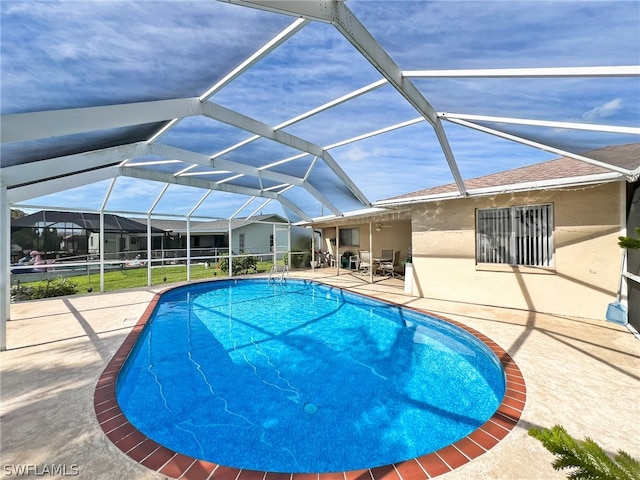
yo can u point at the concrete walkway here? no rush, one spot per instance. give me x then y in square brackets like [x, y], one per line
[580, 373]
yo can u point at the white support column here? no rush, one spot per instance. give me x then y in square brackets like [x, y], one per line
[188, 248]
[275, 244]
[148, 249]
[230, 245]
[338, 257]
[193, 210]
[102, 244]
[313, 246]
[289, 245]
[5, 264]
[370, 253]
[153, 207]
[102, 239]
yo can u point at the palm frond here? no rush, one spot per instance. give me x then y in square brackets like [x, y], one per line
[586, 458]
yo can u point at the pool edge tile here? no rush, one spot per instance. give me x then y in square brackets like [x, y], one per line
[411, 469]
[453, 457]
[225, 473]
[158, 458]
[388, 472]
[177, 466]
[199, 470]
[433, 465]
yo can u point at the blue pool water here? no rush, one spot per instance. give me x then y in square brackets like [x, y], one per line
[303, 377]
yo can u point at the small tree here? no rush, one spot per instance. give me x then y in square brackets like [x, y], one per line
[240, 265]
[587, 458]
[249, 263]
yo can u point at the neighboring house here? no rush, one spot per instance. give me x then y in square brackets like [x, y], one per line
[253, 235]
[542, 237]
[78, 234]
[70, 234]
[204, 234]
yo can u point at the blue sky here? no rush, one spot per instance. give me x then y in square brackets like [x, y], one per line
[63, 54]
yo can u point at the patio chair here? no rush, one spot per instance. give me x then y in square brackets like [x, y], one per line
[389, 268]
[386, 256]
[364, 260]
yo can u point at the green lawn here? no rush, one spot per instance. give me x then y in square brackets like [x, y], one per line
[137, 277]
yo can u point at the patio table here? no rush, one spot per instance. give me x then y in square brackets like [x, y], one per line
[378, 261]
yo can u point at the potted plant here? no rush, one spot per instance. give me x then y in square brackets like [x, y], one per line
[345, 258]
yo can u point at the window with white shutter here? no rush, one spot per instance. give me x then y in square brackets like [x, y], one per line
[515, 235]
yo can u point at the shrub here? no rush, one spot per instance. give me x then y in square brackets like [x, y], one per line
[240, 265]
[587, 459]
[46, 289]
[249, 263]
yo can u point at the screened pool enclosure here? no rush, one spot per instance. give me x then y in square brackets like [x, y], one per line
[310, 110]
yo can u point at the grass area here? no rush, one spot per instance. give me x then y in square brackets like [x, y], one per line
[137, 277]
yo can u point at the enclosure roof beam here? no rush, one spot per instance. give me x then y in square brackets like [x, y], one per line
[70, 164]
[337, 13]
[188, 156]
[542, 123]
[206, 184]
[627, 173]
[273, 44]
[57, 185]
[551, 72]
[333, 103]
[265, 50]
[200, 202]
[21, 127]
[230, 117]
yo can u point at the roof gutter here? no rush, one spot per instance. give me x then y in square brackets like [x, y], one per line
[354, 214]
[517, 187]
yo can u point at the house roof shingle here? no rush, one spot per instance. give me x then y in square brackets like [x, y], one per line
[625, 156]
[89, 221]
[213, 226]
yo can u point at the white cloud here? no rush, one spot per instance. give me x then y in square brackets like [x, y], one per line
[356, 154]
[603, 111]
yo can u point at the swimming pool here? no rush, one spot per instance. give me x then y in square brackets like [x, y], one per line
[361, 383]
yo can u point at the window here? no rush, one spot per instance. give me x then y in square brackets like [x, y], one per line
[350, 237]
[515, 235]
[241, 241]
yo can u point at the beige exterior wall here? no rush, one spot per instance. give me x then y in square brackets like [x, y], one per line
[586, 271]
[394, 236]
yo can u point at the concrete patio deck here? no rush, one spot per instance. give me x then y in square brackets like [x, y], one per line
[580, 373]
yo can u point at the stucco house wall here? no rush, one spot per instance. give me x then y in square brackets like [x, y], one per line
[393, 236]
[586, 270]
[256, 238]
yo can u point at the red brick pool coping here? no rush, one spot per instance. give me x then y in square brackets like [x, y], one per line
[154, 456]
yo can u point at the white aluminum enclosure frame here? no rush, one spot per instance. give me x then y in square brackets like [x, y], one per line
[22, 182]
